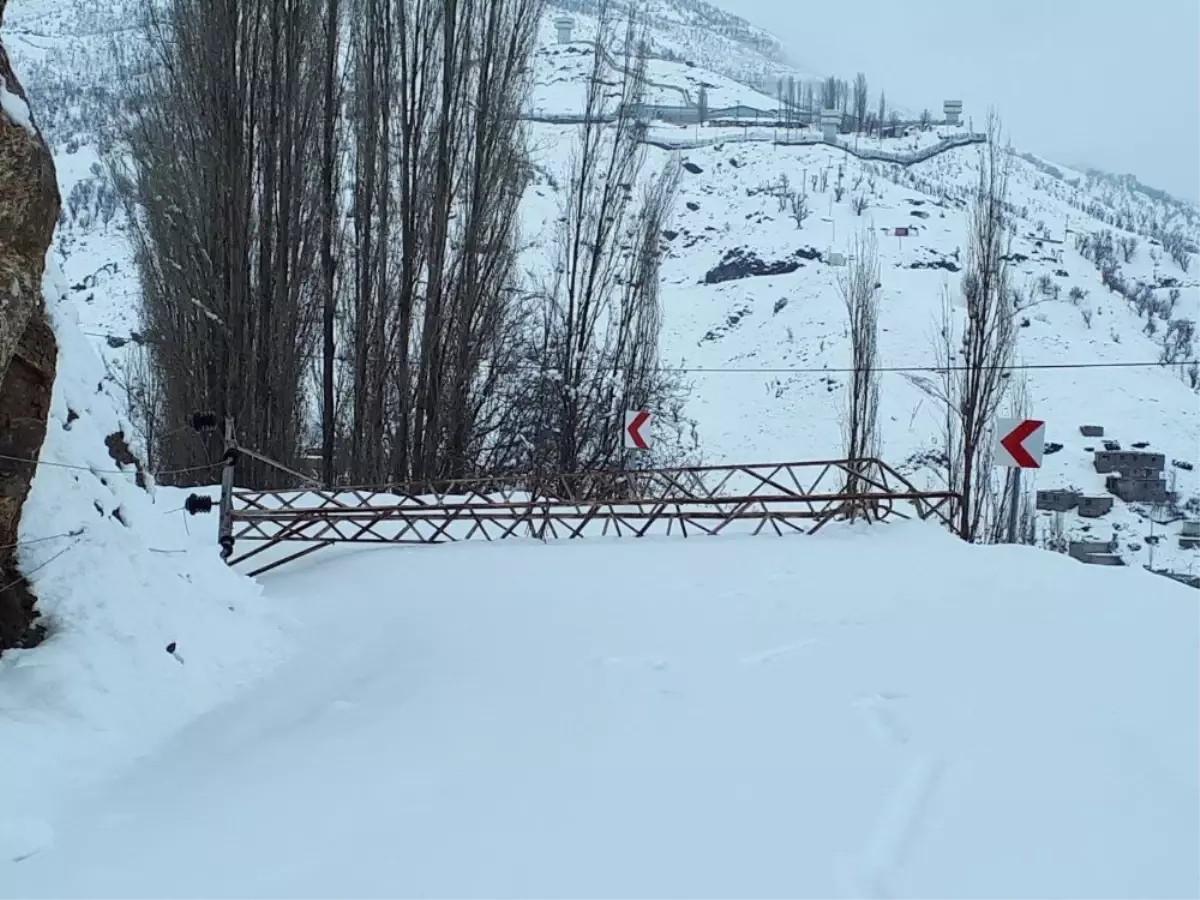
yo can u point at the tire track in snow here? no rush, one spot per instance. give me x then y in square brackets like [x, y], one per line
[755, 659]
[898, 824]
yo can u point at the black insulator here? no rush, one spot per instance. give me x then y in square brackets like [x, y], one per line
[204, 421]
[231, 456]
[198, 503]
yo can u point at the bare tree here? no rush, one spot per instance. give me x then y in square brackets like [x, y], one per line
[439, 172]
[220, 183]
[1128, 244]
[598, 343]
[860, 101]
[976, 362]
[1002, 498]
[798, 207]
[859, 287]
[330, 228]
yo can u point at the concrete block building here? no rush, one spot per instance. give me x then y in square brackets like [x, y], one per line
[1139, 486]
[1095, 507]
[1059, 500]
[1136, 476]
[1189, 535]
[1125, 461]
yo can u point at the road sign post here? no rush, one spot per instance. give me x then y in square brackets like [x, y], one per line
[1020, 444]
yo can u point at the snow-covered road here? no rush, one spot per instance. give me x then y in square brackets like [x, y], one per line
[826, 716]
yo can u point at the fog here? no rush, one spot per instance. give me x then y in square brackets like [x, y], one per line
[1111, 85]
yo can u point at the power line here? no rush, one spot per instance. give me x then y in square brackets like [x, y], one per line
[36, 568]
[94, 471]
[50, 537]
[814, 370]
[928, 369]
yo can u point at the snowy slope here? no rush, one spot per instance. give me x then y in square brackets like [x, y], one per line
[791, 413]
[717, 717]
[116, 585]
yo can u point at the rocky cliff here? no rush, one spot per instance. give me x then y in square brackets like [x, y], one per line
[29, 209]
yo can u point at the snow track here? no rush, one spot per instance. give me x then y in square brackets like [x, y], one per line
[585, 719]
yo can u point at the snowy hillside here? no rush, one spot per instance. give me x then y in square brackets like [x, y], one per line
[713, 718]
[780, 339]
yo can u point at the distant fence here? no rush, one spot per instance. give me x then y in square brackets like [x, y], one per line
[909, 158]
[771, 121]
[771, 135]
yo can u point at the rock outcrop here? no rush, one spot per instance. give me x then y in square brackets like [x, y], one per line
[29, 208]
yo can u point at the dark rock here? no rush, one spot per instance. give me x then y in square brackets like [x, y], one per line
[947, 264]
[742, 263]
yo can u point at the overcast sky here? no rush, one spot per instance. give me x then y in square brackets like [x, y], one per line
[1072, 80]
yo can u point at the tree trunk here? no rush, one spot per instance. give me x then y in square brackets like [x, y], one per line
[329, 220]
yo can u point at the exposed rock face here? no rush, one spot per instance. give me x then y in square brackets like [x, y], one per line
[29, 208]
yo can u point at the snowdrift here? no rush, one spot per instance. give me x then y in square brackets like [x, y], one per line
[115, 588]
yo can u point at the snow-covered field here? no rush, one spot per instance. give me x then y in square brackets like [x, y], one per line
[879, 712]
[710, 717]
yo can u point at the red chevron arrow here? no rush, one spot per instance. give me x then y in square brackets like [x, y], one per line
[1014, 443]
[634, 428]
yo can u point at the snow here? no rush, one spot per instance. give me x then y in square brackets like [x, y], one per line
[881, 712]
[713, 717]
[15, 108]
[108, 562]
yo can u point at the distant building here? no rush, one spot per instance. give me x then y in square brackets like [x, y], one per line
[1095, 507]
[1189, 535]
[1092, 430]
[952, 111]
[1060, 500]
[1139, 486]
[831, 124]
[1095, 553]
[563, 25]
[1128, 461]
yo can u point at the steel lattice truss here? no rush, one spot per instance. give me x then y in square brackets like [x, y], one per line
[782, 498]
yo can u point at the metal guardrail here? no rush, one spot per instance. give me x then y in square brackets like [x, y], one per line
[793, 497]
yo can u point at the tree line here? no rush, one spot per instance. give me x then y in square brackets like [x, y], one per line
[325, 198]
[850, 98]
[974, 343]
